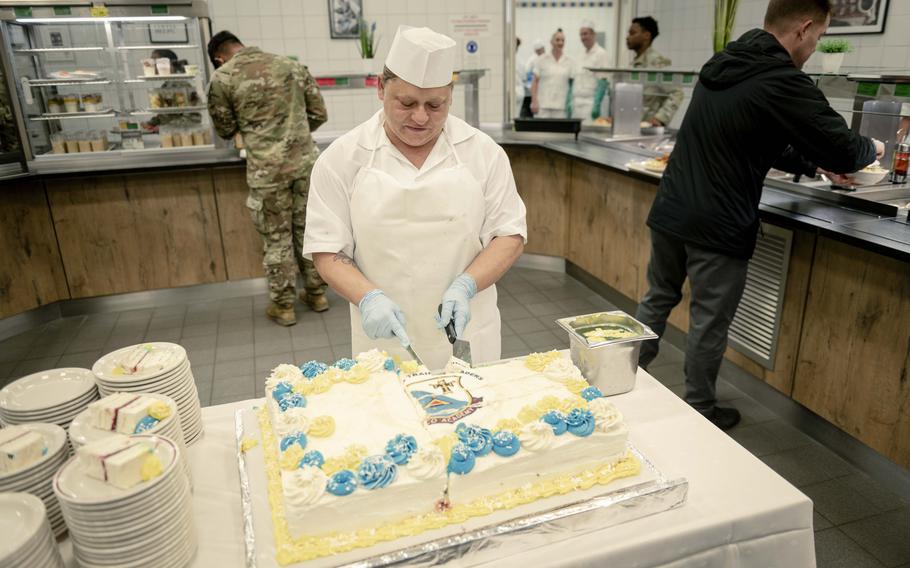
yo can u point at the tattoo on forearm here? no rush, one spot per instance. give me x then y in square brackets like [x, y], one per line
[344, 259]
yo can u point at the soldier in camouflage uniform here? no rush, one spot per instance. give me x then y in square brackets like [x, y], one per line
[659, 104]
[273, 103]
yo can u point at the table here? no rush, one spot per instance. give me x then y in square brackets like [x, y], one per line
[739, 513]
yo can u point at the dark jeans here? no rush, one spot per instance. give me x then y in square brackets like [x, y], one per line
[717, 283]
[525, 111]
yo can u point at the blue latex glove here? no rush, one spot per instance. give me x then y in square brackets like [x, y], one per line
[381, 318]
[456, 303]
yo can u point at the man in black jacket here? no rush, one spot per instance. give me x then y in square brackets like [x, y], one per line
[752, 109]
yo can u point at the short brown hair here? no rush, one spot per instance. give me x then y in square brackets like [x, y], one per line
[780, 11]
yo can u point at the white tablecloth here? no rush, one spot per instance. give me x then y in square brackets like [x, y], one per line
[739, 513]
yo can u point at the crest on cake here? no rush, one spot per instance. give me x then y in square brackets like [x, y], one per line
[444, 398]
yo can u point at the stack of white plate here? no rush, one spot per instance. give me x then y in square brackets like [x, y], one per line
[82, 432]
[54, 397]
[154, 368]
[150, 524]
[37, 477]
[27, 537]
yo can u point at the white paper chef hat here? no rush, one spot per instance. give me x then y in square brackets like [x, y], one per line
[422, 57]
[539, 44]
[587, 24]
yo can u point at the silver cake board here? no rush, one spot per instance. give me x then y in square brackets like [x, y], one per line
[483, 539]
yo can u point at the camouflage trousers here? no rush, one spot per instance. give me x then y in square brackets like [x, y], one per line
[279, 214]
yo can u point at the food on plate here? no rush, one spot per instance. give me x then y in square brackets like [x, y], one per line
[603, 121]
[78, 74]
[658, 164]
[874, 168]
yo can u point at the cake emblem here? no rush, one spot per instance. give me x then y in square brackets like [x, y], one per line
[444, 399]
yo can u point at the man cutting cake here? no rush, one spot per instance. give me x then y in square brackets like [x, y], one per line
[414, 209]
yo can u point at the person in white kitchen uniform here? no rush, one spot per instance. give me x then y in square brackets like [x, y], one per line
[415, 208]
[588, 91]
[550, 96]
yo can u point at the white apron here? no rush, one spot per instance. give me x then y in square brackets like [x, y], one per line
[412, 240]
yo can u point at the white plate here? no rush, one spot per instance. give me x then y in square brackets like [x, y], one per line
[62, 408]
[72, 485]
[21, 517]
[47, 389]
[160, 358]
[130, 507]
[175, 377]
[164, 532]
[54, 441]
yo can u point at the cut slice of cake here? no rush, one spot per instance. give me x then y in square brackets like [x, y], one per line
[20, 448]
[120, 461]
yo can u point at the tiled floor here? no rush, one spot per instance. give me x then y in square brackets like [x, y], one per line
[232, 346]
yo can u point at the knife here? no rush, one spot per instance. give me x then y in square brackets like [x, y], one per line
[461, 349]
[414, 355]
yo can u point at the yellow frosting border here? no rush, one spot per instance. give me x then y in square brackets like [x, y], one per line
[307, 547]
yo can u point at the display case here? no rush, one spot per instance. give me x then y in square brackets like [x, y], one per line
[97, 84]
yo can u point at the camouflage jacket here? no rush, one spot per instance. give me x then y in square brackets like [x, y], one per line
[274, 103]
[660, 103]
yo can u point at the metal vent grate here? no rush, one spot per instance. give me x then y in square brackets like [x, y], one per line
[756, 325]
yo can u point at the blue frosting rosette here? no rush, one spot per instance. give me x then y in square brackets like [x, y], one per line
[298, 438]
[462, 460]
[557, 420]
[505, 443]
[478, 440]
[401, 448]
[292, 400]
[591, 393]
[345, 364]
[580, 422]
[281, 389]
[145, 424]
[389, 365]
[376, 472]
[313, 458]
[311, 369]
[341, 483]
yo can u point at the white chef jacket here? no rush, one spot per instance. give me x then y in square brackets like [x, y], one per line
[585, 81]
[553, 80]
[328, 218]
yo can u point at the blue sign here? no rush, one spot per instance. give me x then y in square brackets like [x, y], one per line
[471, 46]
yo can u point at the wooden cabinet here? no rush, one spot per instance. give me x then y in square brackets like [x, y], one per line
[137, 232]
[542, 178]
[31, 272]
[242, 243]
[854, 358]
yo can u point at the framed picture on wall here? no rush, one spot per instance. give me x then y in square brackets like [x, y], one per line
[344, 18]
[168, 33]
[858, 17]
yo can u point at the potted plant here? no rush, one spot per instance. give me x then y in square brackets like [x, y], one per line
[367, 42]
[724, 22]
[833, 51]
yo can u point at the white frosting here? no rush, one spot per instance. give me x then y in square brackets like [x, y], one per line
[427, 462]
[561, 370]
[284, 373]
[303, 487]
[606, 417]
[19, 448]
[290, 421]
[537, 436]
[373, 360]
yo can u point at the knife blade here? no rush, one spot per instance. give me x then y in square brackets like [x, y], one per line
[460, 348]
[414, 355]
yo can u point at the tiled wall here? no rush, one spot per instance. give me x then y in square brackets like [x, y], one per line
[686, 35]
[301, 28]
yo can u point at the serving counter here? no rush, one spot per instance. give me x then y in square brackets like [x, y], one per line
[835, 338]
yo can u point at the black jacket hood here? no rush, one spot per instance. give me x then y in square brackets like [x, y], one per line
[755, 52]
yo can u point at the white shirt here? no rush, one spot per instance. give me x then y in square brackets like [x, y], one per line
[328, 218]
[585, 81]
[553, 80]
